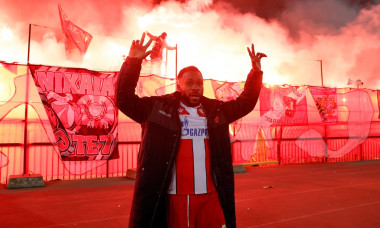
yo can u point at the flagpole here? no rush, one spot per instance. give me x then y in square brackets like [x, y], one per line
[320, 61]
[30, 30]
[26, 148]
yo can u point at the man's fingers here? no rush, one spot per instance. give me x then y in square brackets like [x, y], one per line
[253, 49]
[147, 53]
[249, 52]
[147, 44]
[261, 55]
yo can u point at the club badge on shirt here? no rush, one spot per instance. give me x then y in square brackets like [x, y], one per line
[201, 111]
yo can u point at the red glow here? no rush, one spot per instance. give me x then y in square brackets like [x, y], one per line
[213, 35]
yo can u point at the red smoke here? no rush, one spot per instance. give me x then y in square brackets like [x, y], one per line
[212, 35]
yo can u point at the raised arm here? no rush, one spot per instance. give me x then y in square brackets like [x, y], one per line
[151, 36]
[169, 47]
[247, 100]
[126, 100]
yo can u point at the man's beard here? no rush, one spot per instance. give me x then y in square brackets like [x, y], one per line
[186, 100]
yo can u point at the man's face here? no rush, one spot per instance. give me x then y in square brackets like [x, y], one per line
[191, 88]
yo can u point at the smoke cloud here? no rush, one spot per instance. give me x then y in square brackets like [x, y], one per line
[213, 35]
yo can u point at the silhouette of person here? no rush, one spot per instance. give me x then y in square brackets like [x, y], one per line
[157, 50]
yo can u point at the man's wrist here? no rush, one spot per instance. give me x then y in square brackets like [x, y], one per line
[133, 60]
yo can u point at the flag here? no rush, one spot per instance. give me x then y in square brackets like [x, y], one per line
[81, 108]
[326, 102]
[226, 91]
[283, 105]
[12, 67]
[76, 39]
[378, 100]
[3, 160]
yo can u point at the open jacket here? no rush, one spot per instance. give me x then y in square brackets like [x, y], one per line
[161, 134]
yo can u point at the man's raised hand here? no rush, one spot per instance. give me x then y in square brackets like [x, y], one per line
[255, 58]
[138, 49]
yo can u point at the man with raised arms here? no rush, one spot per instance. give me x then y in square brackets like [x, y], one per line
[184, 172]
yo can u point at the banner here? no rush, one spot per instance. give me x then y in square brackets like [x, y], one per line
[283, 105]
[11, 67]
[378, 101]
[81, 108]
[152, 85]
[226, 91]
[326, 101]
[77, 40]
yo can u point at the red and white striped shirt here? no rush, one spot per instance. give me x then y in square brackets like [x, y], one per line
[192, 170]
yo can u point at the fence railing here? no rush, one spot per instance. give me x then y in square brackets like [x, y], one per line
[45, 160]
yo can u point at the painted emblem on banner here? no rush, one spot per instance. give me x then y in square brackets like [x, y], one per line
[283, 105]
[81, 108]
[290, 106]
[327, 107]
[326, 102]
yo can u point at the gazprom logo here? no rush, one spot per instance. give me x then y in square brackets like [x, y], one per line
[195, 132]
[185, 123]
[192, 131]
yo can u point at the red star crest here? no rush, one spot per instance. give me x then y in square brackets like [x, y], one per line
[201, 111]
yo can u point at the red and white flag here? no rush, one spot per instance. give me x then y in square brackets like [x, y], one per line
[326, 102]
[227, 91]
[76, 39]
[283, 105]
[81, 107]
[378, 100]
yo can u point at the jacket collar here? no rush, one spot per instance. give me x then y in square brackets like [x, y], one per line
[207, 103]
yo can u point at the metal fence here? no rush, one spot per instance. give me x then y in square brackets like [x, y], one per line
[43, 158]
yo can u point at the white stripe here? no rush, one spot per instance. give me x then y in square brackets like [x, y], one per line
[199, 154]
[188, 211]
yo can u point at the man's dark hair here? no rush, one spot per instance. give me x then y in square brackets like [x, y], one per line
[187, 69]
[184, 70]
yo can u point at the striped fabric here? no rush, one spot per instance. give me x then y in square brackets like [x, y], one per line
[192, 171]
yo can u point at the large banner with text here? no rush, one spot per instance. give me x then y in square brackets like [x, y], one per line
[81, 108]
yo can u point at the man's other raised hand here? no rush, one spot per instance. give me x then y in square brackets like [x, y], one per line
[255, 58]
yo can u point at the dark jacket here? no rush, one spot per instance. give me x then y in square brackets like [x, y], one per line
[161, 133]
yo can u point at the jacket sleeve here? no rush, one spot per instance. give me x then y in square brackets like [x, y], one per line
[245, 103]
[127, 101]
